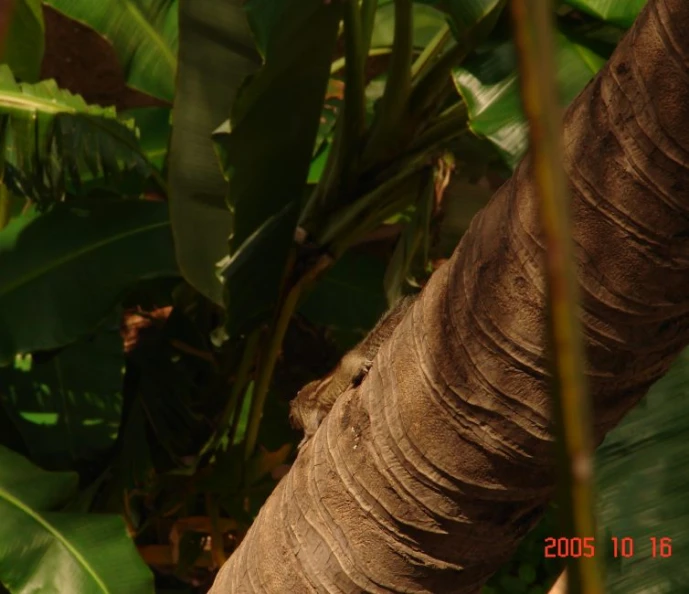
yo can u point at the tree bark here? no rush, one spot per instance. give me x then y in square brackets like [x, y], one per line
[426, 477]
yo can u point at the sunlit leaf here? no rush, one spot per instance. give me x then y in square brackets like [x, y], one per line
[143, 32]
[489, 86]
[618, 12]
[51, 140]
[45, 550]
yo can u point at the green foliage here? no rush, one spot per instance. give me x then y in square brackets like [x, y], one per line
[182, 427]
[642, 481]
[58, 551]
[618, 13]
[427, 22]
[349, 299]
[52, 268]
[23, 49]
[489, 85]
[66, 408]
[154, 127]
[282, 103]
[52, 141]
[209, 77]
[144, 33]
[530, 570]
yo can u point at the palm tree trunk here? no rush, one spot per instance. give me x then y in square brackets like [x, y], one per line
[426, 478]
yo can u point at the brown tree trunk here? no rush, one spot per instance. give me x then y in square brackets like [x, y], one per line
[426, 477]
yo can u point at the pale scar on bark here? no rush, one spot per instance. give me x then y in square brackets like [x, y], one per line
[315, 399]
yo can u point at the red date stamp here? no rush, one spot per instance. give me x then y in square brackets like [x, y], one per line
[586, 547]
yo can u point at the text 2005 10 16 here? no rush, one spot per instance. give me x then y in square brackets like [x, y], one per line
[621, 547]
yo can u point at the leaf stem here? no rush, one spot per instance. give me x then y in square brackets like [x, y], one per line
[349, 217]
[390, 111]
[368, 18]
[239, 385]
[431, 51]
[272, 351]
[342, 165]
[340, 63]
[4, 206]
[572, 410]
[449, 124]
[431, 84]
[354, 112]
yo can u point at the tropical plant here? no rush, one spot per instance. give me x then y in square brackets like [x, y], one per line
[313, 160]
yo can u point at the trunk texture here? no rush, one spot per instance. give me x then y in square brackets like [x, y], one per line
[426, 477]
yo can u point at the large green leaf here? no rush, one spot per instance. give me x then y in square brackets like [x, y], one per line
[155, 126]
[490, 88]
[427, 22]
[63, 271]
[44, 550]
[266, 149]
[143, 33]
[618, 12]
[642, 490]
[67, 408]
[471, 20]
[210, 73]
[23, 50]
[349, 299]
[51, 139]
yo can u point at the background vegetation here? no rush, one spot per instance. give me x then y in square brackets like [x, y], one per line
[145, 383]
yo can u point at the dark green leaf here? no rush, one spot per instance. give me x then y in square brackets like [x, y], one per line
[349, 299]
[618, 12]
[427, 22]
[62, 272]
[43, 550]
[154, 127]
[267, 148]
[216, 54]
[23, 50]
[67, 408]
[642, 486]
